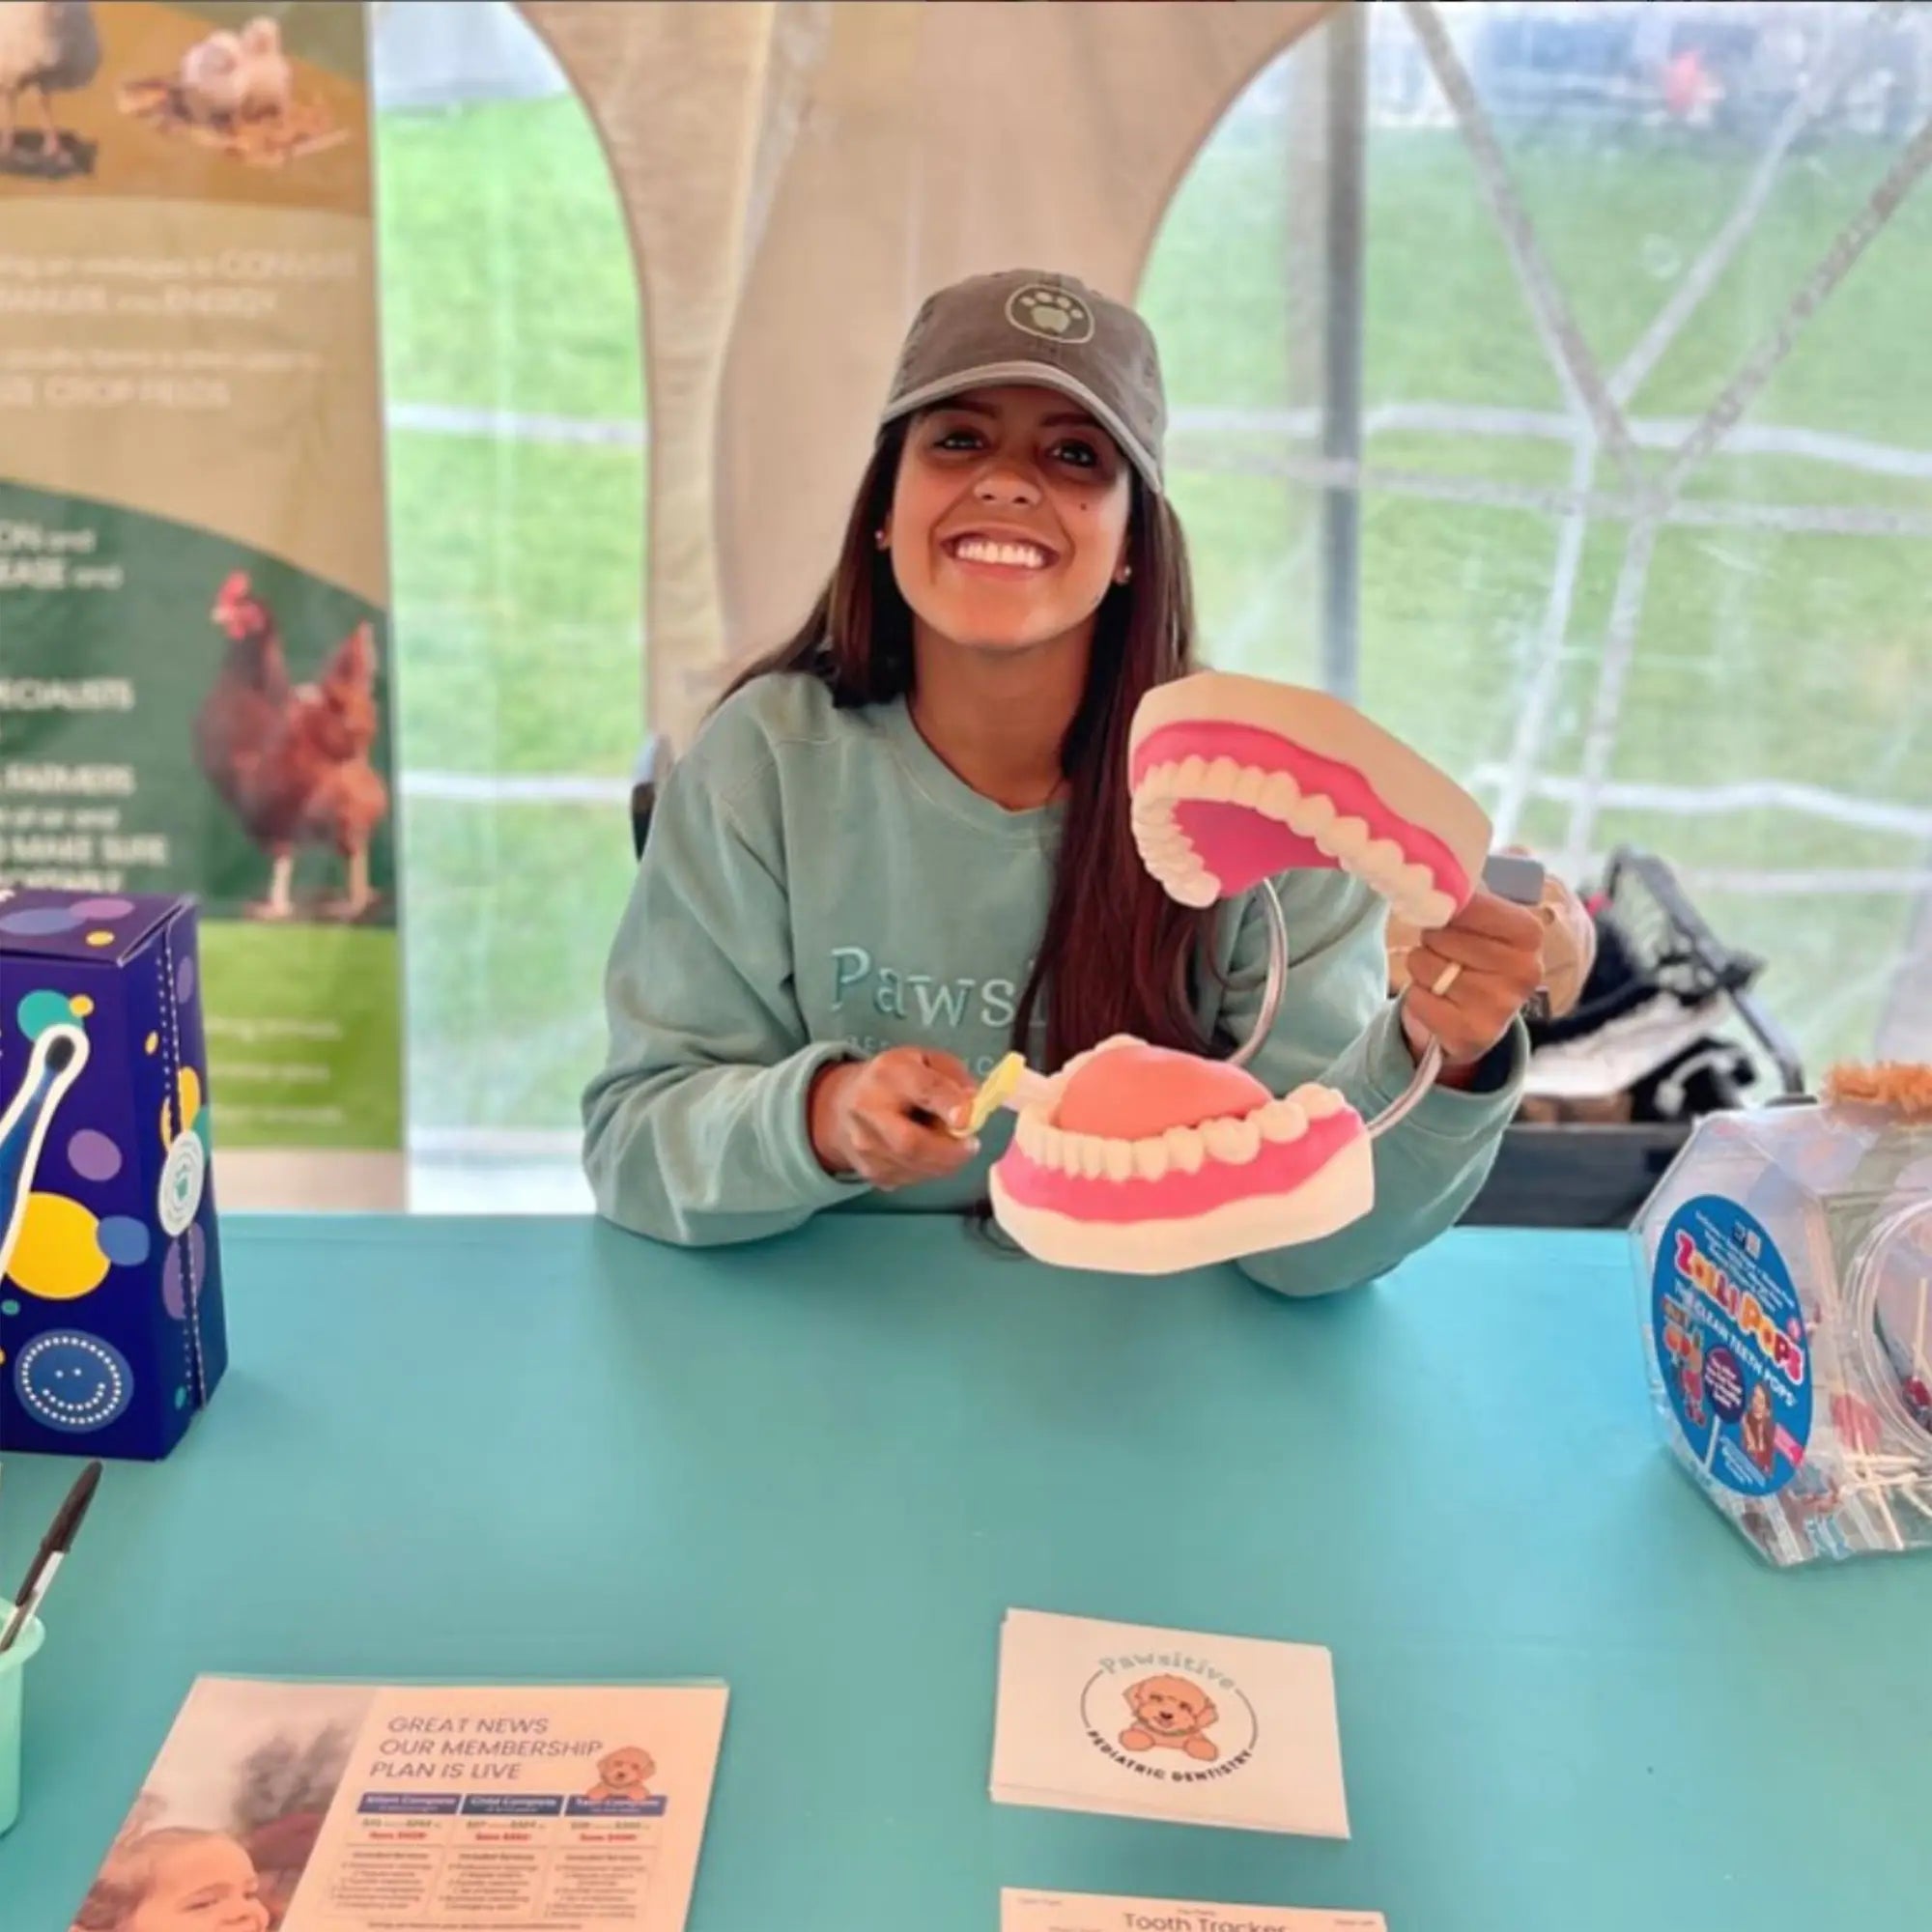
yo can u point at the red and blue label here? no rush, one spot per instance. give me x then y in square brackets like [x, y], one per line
[1732, 1345]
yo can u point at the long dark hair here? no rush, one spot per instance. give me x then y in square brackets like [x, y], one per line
[1118, 954]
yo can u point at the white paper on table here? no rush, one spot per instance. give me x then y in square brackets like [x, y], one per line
[1089, 1911]
[351, 1807]
[578, 1805]
[1174, 1724]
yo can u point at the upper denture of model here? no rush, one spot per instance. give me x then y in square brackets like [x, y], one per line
[1236, 779]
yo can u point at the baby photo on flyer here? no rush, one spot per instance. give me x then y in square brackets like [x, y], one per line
[225, 1825]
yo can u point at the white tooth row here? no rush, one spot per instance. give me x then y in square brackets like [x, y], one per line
[1410, 886]
[977, 551]
[1235, 1140]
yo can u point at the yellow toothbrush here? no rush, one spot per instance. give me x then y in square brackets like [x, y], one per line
[1011, 1081]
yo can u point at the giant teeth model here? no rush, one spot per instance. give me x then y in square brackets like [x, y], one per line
[1140, 1159]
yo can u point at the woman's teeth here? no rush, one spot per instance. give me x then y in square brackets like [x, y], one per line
[1017, 555]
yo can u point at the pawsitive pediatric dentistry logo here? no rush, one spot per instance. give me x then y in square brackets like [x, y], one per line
[1169, 1717]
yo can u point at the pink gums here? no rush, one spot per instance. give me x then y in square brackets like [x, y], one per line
[1241, 846]
[1280, 1168]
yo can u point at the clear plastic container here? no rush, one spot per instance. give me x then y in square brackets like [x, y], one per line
[14, 1662]
[1784, 1272]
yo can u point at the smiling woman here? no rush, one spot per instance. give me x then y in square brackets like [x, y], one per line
[1008, 520]
[1013, 575]
[924, 793]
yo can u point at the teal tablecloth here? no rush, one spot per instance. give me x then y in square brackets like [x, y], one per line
[1571, 1700]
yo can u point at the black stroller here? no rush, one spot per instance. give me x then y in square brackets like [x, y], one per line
[1659, 964]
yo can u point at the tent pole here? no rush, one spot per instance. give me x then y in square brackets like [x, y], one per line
[1346, 117]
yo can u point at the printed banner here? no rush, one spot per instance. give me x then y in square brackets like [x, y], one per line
[194, 662]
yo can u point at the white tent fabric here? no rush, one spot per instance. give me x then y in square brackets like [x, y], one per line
[1544, 374]
[796, 177]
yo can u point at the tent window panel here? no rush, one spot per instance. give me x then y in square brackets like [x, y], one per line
[517, 438]
[1727, 680]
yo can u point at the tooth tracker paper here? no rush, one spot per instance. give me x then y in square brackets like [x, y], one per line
[1096, 1912]
[818, 885]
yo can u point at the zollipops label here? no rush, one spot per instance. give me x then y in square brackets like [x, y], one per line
[1732, 1344]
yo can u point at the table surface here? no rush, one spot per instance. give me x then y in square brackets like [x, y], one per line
[1570, 1699]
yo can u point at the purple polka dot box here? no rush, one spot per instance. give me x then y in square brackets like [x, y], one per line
[112, 1327]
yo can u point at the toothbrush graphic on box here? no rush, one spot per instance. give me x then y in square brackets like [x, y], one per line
[59, 1054]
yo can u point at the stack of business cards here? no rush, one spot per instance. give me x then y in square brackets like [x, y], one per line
[1171, 1724]
[1084, 1912]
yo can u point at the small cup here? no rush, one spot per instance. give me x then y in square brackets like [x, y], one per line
[12, 1681]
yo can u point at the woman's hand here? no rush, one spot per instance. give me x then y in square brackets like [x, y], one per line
[889, 1119]
[1469, 980]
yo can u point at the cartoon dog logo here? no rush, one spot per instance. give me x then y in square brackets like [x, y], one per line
[626, 1773]
[1171, 1714]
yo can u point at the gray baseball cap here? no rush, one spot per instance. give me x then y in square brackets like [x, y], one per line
[1027, 325]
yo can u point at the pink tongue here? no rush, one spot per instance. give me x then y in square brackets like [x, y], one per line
[1241, 846]
[1133, 1093]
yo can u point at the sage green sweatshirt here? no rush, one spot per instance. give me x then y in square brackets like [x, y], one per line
[817, 885]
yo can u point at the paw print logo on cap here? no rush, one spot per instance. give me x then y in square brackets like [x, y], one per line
[1050, 313]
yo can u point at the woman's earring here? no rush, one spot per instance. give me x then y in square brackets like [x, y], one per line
[882, 538]
[1126, 570]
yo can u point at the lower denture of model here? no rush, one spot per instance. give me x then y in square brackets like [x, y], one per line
[1144, 1160]
[1236, 779]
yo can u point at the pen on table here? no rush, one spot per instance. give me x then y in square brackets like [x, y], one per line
[54, 1549]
